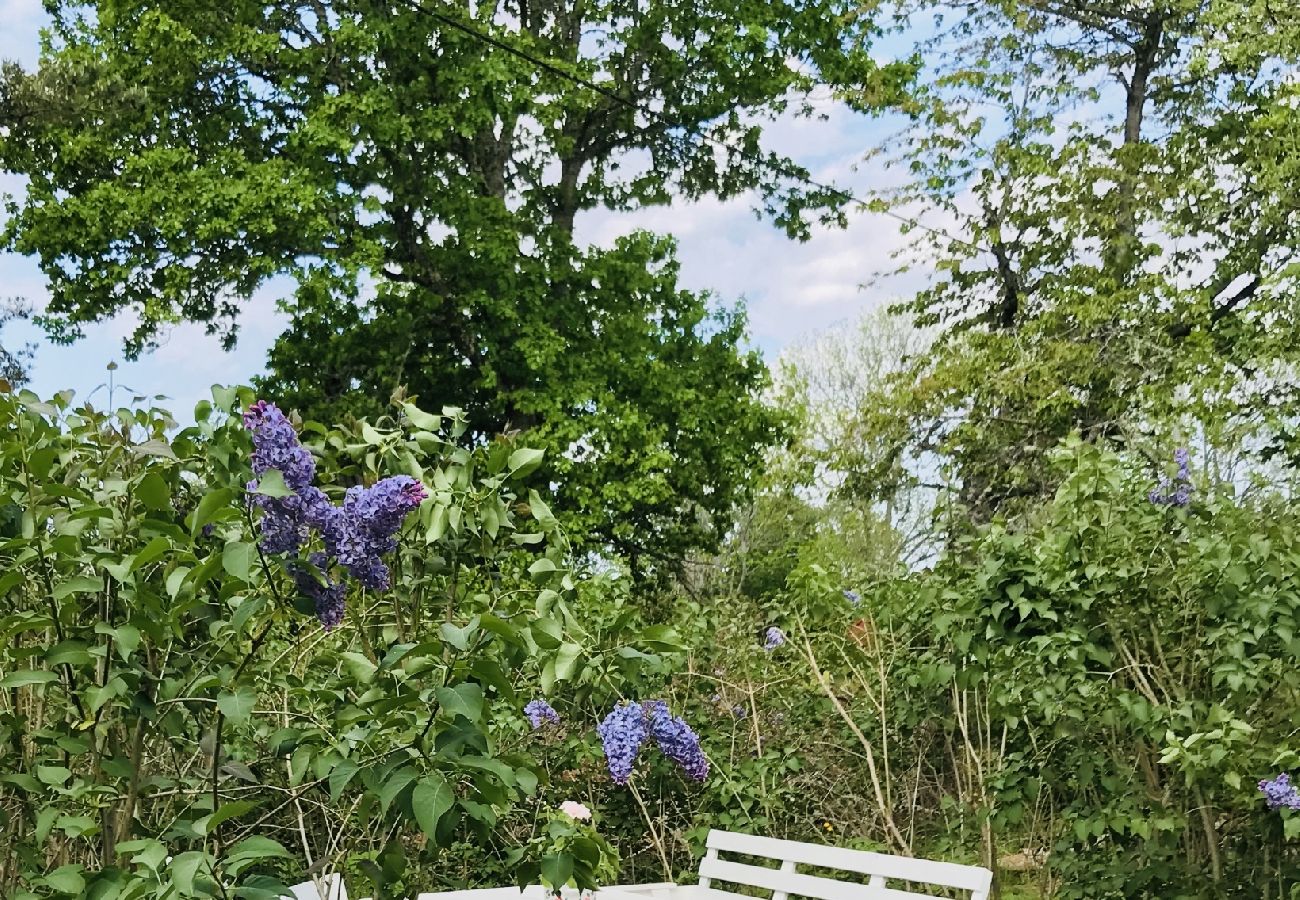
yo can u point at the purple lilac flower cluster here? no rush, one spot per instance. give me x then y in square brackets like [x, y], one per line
[362, 531]
[622, 733]
[677, 740]
[357, 534]
[313, 581]
[852, 596]
[1179, 492]
[774, 637]
[539, 713]
[1280, 792]
[285, 520]
[628, 725]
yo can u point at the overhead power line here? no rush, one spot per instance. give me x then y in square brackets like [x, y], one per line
[775, 166]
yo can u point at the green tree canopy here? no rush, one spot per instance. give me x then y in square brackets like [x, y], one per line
[1125, 177]
[416, 169]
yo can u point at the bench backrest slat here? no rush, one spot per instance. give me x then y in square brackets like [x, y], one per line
[506, 893]
[864, 892]
[781, 882]
[861, 862]
[323, 887]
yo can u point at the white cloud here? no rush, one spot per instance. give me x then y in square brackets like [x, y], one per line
[789, 288]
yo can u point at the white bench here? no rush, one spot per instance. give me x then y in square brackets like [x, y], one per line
[505, 893]
[324, 887]
[888, 877]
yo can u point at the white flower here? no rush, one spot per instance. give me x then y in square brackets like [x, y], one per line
[575, 810]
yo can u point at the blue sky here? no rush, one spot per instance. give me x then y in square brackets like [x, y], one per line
[790, 289]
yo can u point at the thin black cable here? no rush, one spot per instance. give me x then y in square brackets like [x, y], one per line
[772, 165]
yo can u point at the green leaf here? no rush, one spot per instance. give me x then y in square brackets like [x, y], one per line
[261, 887]
[66, 880]
[586, 850]
[298, 764]
[479, 811]
[248, 607]
[53, 775]
[541, 567]
[457, 637]
[148, 852]
[361, 669]
[340, 776]
[77, 826]
[462, 700]
[547, 633]
[10, 580]
[232, 809]
[127, 640]
[432, 797]
[439, 518]
[271, 484]
[488, 671]
[175, 579]
[154, 448]
[661, 638]
[237, 559]
[526, 779]
[238, 770]
[393, 785]
[44, 822]
[184, 868]
[101, 694]
[524, 461]
[566, 661]
[22, 780]
[125, 637]
[152, 550]
[153, 492]
[541, 512]
[73, 653]
[224, 398]
[252, 850]
[237, 705]
[24, 677]
[557, 869]
[213, 503]
[80, 584]
[420, 419]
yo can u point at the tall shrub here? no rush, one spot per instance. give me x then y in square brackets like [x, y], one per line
[180, 714]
